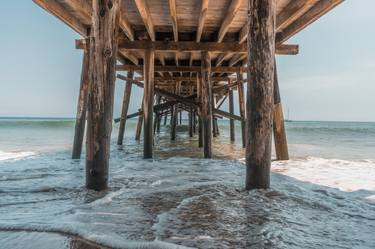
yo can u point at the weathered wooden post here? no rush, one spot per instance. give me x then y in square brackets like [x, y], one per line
[157, 114]
[241, 99]
[231, 111]
[102, 68]
[200, 120]
[214, 119]
[259, 105]
[125, 108]
[281, 144]
[138, 129]
[81, 107]
[206, 104]
[190, 116]
[174, 114]
[148, 103]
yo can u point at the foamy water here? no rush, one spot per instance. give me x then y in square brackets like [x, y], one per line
[179, 201]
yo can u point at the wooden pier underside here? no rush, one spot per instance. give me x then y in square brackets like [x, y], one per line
[187, 55]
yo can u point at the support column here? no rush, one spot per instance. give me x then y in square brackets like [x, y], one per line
[174, 114]
[125, 108]
[241, 99]
[190, 116]
[200, 120]
[214, 119]
[81, 107]
[138, 130]
[231, 111]
[102, 61]
[206, 104]
[259, 106]
[281, 144]
[148, 103]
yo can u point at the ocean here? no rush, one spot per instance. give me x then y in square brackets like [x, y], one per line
[324, 197]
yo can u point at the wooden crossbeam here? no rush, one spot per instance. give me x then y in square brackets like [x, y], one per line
[146, 17]
[173, 13]
[177, 69]
[56, 9]
[227, 114]
[202, 19]
[230, 14]
[314, 13]
[188, 46]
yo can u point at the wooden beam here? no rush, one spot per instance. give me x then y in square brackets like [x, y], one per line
[259, 106]
[148, 103]
[227, 115]
[230, 14]
[202, 19]
[146, 17]
[56, 9]
[188, 46]
[173, 13]
[177, 69]
[314, 13]
[292, 12]
[206, 104]
[81, 107]
[103, 51]
[125, 108]
[200, 120]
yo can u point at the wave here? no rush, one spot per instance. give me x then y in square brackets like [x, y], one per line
[15, 155]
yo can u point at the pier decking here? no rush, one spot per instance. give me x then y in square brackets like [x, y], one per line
[187, 55]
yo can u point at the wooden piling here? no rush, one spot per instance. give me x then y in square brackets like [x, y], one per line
[174, 114]
[259, 106]
[206, 104]
[148, 103]
[138, 129]
[241, 99]
[279, 134]
[125, 108]
[81, 107]
[231, 111]
[200, 120]
[102, 69]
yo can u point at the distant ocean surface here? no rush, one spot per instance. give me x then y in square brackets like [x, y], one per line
[324, 197]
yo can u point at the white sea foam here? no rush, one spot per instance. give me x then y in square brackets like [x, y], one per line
[344, 175]
[15, 155]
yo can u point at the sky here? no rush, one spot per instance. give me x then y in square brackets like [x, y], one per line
[332, 78]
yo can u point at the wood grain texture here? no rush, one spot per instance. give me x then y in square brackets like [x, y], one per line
[241, 104]
[259, 106]
[206, 105]
[103, 51]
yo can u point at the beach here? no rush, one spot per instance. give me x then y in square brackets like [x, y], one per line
[324, 197]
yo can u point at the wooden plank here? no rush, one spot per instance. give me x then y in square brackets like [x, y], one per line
[279, 134]
[292, 12]
[261, 44]
[148, 103]
[206, 104]
[81, 108]
[146, 17]
[103, 51]
[230, 14]
[314, 13]
[55, 8]
[202, 19]
[125, 108]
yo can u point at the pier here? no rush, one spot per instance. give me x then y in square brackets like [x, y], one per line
[187, 56]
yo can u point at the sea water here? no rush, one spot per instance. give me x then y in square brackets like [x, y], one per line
[324, 197]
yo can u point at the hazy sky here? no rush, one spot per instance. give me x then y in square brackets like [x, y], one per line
[333, 77]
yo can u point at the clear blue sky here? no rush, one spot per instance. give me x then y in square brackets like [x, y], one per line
[333, 77]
